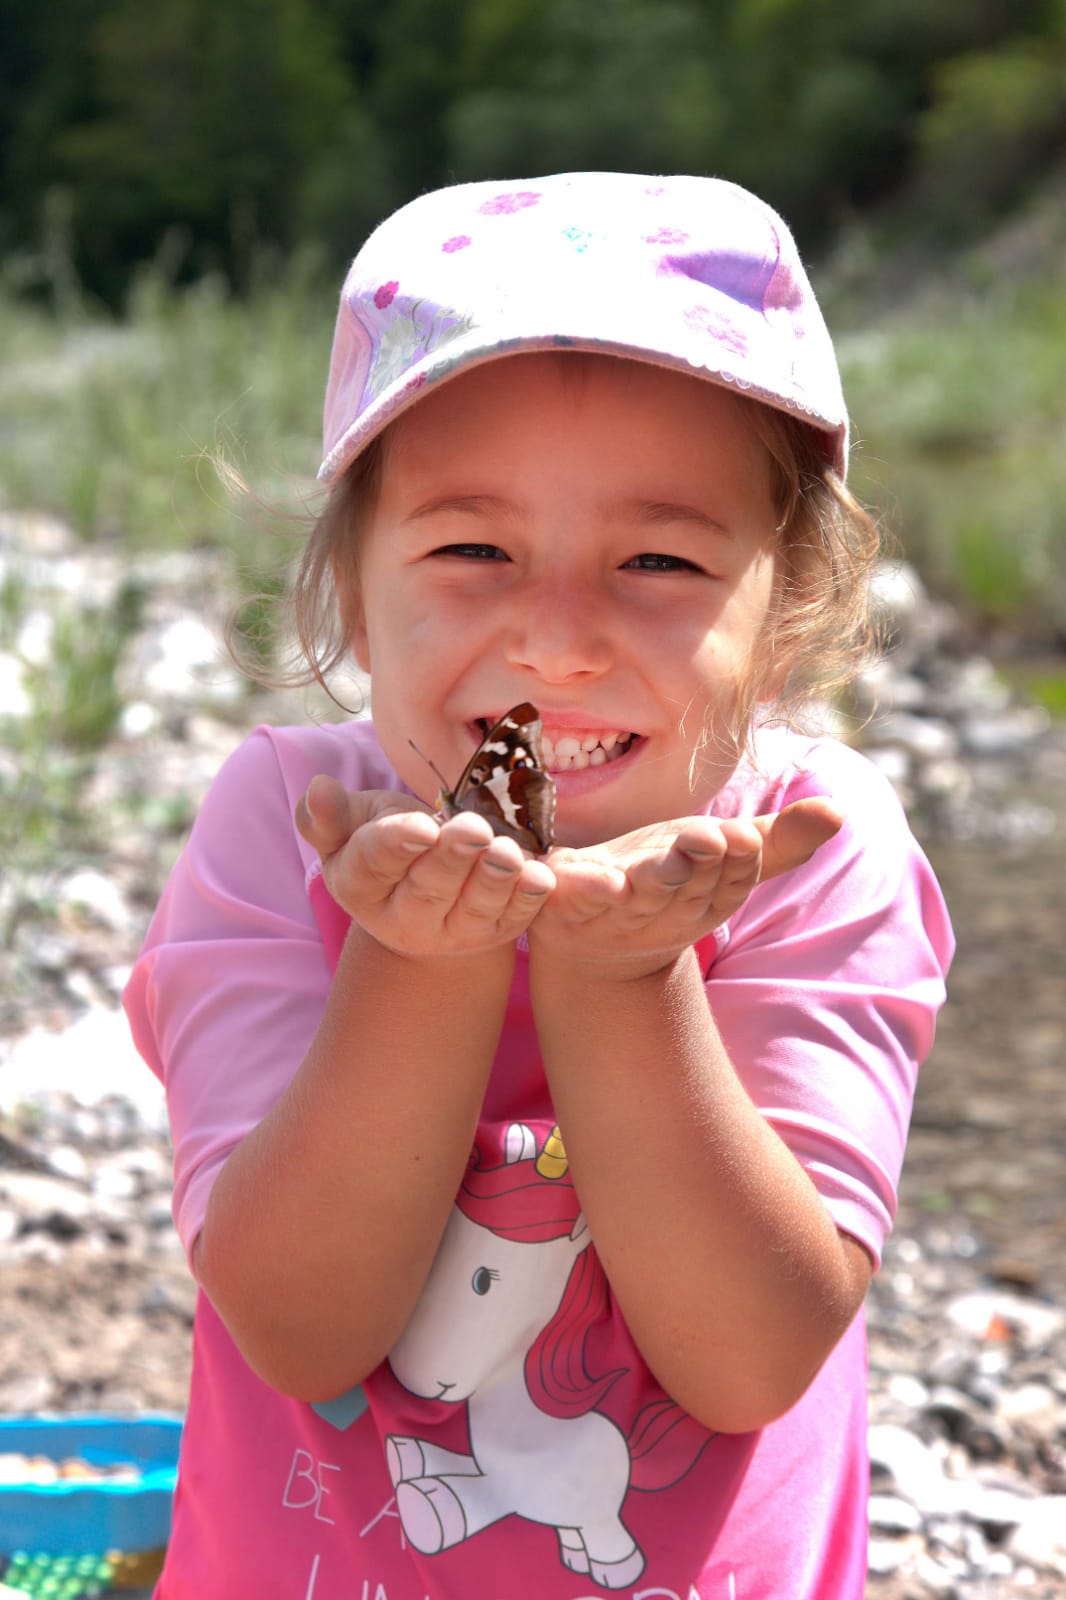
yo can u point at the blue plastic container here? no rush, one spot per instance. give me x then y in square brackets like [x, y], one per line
[74, 1517]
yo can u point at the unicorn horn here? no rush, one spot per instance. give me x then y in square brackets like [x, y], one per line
[552, 1162]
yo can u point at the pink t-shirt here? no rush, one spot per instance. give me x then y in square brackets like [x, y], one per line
[515, 1446]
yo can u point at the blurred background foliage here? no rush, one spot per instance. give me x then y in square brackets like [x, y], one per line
[246, 123]
[182, 182]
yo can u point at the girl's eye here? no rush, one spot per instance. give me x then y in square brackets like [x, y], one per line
[472, 552]
[483, 1280]
[656, 561]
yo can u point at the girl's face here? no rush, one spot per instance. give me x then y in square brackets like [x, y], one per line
[596, 536]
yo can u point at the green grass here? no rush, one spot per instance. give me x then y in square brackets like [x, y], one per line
[74, 707]
[75, 700]
[1045, 687]
[114, 428]
[111, 425]
[961, 413]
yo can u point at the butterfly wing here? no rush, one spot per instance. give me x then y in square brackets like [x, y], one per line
[506, 783]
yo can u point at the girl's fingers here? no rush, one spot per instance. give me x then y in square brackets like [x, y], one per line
[323, 815]
[693, 858]
[474, 891]
[593, 887]
[689, 870]
[437, 877]
[535, 885]
[667, 887]
[742, 861]
[384, 855]
[415, 880]
[693, 882]
[503, 885]
[327, 815]
[477, 885]
[793, 835]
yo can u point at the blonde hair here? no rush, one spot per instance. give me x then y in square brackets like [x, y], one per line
[819, 633]
[816, 638]
[305, 630]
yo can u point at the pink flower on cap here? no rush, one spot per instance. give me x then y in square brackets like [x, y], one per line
[459, 242]
[506, 204]
[386, 295]
[701, 319]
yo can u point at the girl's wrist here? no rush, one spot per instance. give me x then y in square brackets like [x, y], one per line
[438, 966]
[619, 972]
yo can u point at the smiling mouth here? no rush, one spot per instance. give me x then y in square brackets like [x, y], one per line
[576, 749]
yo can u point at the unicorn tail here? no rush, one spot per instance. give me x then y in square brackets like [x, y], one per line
[664, 1443]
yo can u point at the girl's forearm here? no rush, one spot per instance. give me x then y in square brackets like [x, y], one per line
[323, 1223]
[730, 1272]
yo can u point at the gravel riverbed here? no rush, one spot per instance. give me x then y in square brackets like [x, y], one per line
[967, 1318]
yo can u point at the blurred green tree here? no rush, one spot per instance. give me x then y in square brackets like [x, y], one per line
[997, 115]
[614, 84]
[254, 123]
[193, 113]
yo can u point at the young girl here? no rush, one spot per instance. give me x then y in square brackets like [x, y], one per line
[533, 1193]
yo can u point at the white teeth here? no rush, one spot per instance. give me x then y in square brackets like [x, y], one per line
[573, 754]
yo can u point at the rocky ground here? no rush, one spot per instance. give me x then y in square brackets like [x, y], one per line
[967, 1318]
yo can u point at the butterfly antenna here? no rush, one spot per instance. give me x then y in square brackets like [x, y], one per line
[435, 770]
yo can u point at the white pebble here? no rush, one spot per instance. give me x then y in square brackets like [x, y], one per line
[908, 1391]
[890, 1514]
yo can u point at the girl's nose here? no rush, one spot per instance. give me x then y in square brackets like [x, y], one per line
[558, 630]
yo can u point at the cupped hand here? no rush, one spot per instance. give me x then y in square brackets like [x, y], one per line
[420, 886]
[633, 904]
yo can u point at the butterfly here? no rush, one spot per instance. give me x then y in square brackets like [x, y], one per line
[505, 782]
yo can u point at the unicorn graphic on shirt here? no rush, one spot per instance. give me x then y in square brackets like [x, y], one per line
[502, 1326]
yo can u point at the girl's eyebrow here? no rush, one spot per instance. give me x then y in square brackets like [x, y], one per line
[656, 513]
[473, 505]
[633, 509]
